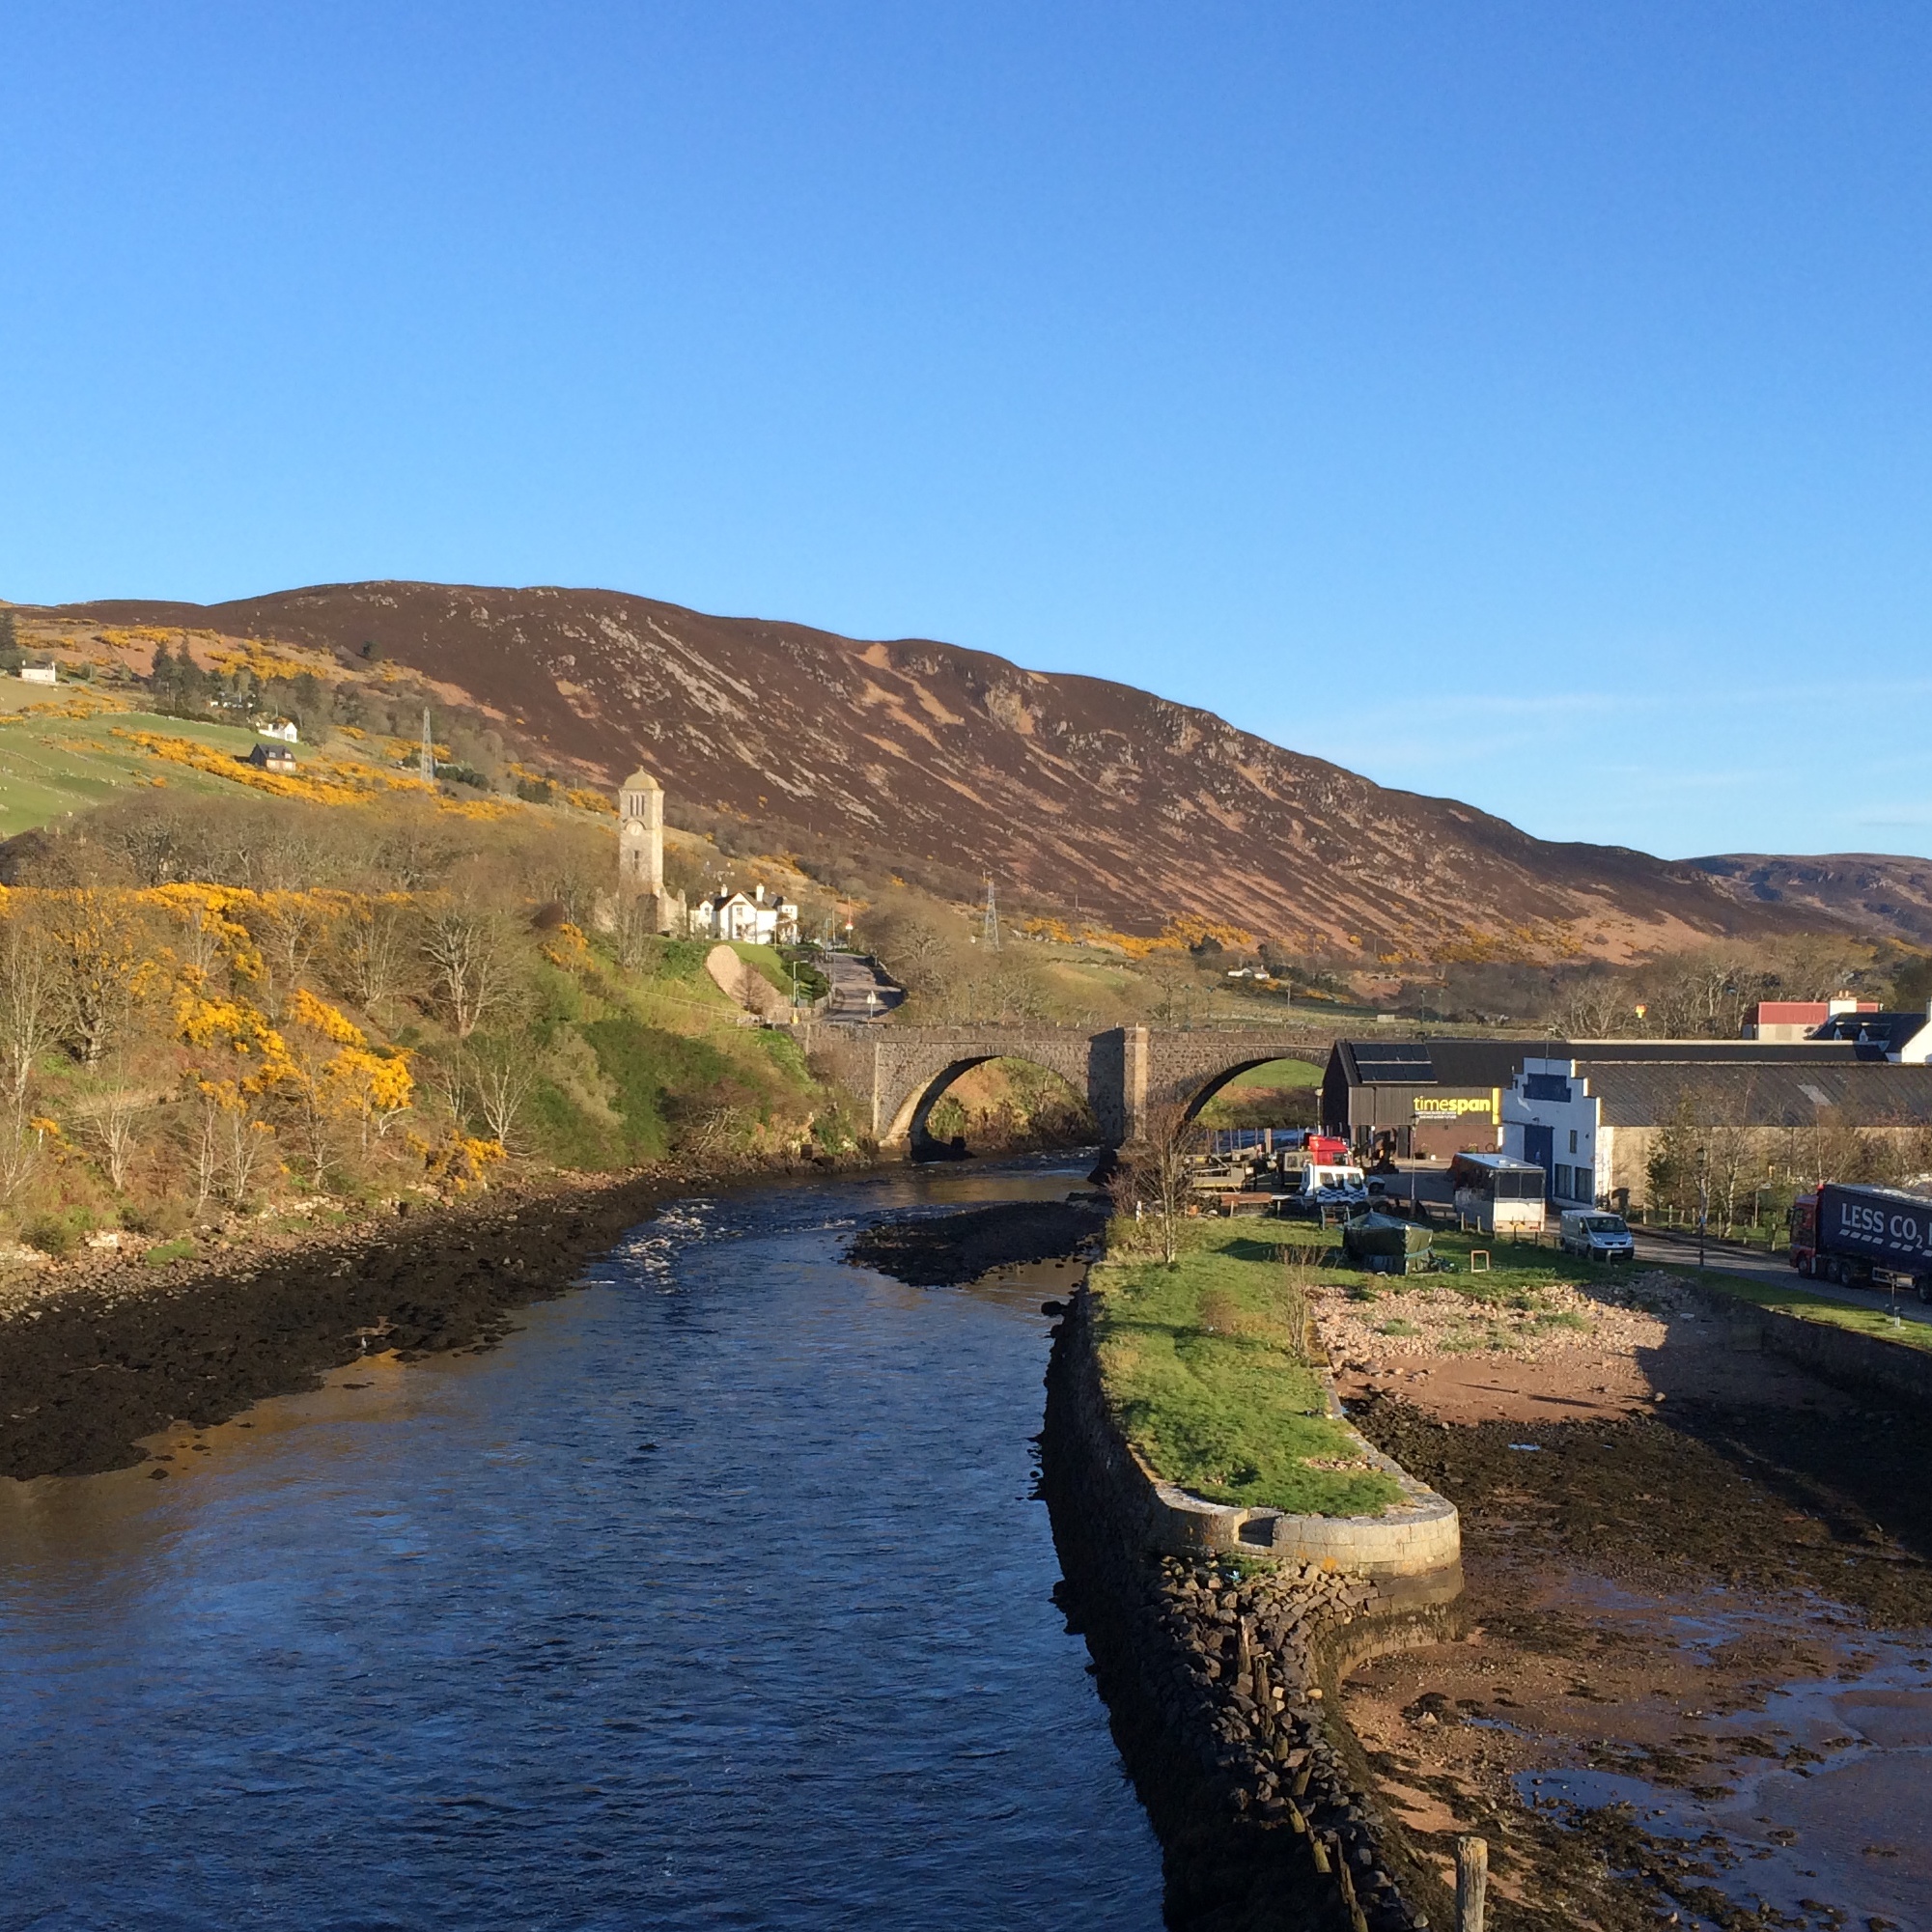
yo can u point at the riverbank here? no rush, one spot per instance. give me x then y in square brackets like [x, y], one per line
[98, 1354]
[1698, 1679]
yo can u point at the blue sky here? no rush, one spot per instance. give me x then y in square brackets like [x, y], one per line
[1529, 402]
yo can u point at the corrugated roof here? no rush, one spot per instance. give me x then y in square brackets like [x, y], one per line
[1640, 1093]
[1495, 1063]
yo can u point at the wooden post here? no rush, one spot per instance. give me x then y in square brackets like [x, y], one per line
[1471, 1883]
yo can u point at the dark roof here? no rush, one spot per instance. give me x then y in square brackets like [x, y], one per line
[1875, 1032]
[1423, 1063]
[1757, 1093]
[1495, 1063]
[1404, 1061]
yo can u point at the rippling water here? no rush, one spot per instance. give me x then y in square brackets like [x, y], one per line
[715, 1597]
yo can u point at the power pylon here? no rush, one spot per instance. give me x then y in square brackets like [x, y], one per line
[426, 759]
[989, 933]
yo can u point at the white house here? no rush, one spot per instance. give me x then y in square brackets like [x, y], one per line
[1550, 1117]
[756, 919]
[39, 674]
[283, 728]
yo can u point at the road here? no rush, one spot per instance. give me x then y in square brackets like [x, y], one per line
[860, 991]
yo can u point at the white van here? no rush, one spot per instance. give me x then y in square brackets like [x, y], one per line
[1328, 1184]
[1597, 1236]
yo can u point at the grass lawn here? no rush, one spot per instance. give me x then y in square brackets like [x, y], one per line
[1272, 1075]
[765, 961]
[1203, 1365]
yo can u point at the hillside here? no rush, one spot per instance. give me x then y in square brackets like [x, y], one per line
[1878, 893]
[1069, 791]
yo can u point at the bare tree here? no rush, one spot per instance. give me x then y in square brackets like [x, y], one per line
[291, 928]
[109, 1118]
[373, 953]
[29, 1004]
[471, 964]
[1591, 1009]
[1160, 1173]
[501, 1076]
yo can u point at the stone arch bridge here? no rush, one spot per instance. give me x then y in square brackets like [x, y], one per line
[897, 1074]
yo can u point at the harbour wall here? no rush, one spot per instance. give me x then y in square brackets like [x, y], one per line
[1220, 1659]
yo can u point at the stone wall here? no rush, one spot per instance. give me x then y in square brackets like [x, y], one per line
[1216, 1666]
[1842, 1357]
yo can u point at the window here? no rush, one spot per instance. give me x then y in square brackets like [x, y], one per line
[1573, 1140]
[1544, 1087]
[1564, 1182]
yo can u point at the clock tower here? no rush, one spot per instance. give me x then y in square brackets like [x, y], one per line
[640, 835]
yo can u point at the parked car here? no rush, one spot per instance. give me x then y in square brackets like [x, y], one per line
[1597, 1237]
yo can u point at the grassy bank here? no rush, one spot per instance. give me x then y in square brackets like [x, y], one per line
[1205, 1365]
[1810, 1308]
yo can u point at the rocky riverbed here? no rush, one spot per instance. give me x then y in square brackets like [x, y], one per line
[939, 1250]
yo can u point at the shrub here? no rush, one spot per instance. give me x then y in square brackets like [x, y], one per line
[164, 1219]
[59, 1232]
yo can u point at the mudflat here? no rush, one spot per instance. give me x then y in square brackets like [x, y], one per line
[1697, 1676]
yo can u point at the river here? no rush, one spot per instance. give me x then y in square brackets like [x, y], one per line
[716, 1596]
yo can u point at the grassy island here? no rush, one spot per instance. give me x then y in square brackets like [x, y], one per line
[1206, 1366]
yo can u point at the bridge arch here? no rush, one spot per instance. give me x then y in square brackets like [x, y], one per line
[1217, 1082]
[910, 1125]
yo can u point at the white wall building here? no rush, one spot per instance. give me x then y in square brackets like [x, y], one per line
[1550, 1117]
[39, 674]
[752, 919]
[283, 728]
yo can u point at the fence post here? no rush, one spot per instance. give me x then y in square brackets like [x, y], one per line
[1471, 1883]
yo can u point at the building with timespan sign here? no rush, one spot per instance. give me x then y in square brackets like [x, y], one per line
[1588, 1111]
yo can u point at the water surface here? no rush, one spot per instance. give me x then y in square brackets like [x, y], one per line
[717, 1596]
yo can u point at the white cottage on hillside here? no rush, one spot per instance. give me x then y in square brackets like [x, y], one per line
[755, 919]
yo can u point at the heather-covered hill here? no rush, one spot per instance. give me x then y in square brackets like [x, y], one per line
[1882, 895]
[1066, 788]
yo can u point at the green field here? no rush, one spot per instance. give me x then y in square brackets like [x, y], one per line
[52, 767]
[1275, 1077]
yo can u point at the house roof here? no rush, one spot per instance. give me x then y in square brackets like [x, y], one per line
[1875, 1032]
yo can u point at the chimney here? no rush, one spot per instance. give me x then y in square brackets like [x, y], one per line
[759, 890]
